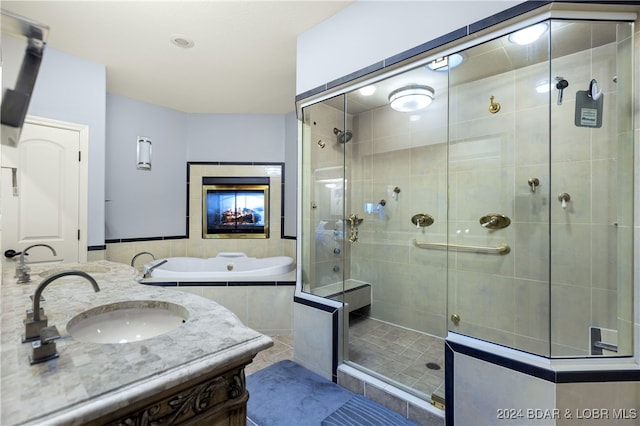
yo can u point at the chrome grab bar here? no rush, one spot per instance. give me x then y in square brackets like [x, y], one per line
[501, 249]
[605, 346]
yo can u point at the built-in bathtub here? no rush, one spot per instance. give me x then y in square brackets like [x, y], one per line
[240, 283]
[223, 267]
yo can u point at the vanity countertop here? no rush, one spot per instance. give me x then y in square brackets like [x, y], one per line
[91, 379]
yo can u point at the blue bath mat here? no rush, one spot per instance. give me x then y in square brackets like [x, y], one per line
[287, 394]
[359, 411]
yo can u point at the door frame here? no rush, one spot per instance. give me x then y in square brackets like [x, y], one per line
[83, 183]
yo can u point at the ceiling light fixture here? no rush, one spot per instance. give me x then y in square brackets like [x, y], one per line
[445, 62]
[528, 35]
[367, 90]
[182, 41]
[411, 98]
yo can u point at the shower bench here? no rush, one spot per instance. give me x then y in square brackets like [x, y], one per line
[355, 294]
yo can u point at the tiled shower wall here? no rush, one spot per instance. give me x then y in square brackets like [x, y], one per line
[504, 299]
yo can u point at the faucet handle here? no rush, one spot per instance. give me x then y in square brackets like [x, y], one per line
[32, 328]
[49, 334]
[9, 254]
[44, 348]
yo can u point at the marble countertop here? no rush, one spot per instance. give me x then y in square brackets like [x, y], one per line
[90, 379]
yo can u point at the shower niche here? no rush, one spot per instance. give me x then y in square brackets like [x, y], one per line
[497, 139]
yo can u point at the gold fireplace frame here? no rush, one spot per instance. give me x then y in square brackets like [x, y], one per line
[236, 233]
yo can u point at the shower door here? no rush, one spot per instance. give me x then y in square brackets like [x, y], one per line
[324, 199]
[541, 184]
[591, 201]
[499, 185]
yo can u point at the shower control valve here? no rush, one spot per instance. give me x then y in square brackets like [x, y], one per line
[564, 198]
[533, 183]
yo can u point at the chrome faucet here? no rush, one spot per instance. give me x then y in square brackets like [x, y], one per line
[140, 254]
[36, 319]
[22, 270]
[149, 269]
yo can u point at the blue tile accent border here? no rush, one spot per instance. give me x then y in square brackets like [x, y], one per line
[576, 376]
[97, 248]
[335, 321]
[449, 396]
[133, 240]
[425, 47]
[507, 14]
[314, 304]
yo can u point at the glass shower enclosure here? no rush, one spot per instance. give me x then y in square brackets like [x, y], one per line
[500, 209]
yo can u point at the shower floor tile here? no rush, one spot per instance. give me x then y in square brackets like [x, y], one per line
[397, 353]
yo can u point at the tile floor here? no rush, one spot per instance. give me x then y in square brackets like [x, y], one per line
[408, 357]
[397, 353]
[282, 349]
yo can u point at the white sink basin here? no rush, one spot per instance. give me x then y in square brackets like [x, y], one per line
[125, 322]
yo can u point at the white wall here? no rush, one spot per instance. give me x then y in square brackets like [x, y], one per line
[291, 174]
[370, 31]
[145, 203]
[234, 137]
[70, 89]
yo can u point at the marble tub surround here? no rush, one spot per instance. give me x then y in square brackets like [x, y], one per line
[90, 380]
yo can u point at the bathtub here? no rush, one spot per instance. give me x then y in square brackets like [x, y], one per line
[240, 283]
[223, 267]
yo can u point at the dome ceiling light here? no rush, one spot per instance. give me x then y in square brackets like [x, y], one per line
[411, 98]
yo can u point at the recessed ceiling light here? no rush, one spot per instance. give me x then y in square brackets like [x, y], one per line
[367, 90]
[446, 62]
[528, 35]
[181, 41]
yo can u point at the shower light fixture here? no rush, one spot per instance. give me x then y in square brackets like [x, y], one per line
[144, 153]
[411, 98]
[446, 62]
[367, 90]
[529, 34]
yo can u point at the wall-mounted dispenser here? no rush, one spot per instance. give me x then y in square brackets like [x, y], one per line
[144, 153]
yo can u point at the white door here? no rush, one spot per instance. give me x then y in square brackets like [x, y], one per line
[41, 182]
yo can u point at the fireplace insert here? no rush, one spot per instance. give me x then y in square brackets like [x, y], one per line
[235, 207]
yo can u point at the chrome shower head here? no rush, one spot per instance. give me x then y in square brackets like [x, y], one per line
[342, 136]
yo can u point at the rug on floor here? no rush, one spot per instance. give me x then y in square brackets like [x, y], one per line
[360, 411]
[287, 394]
